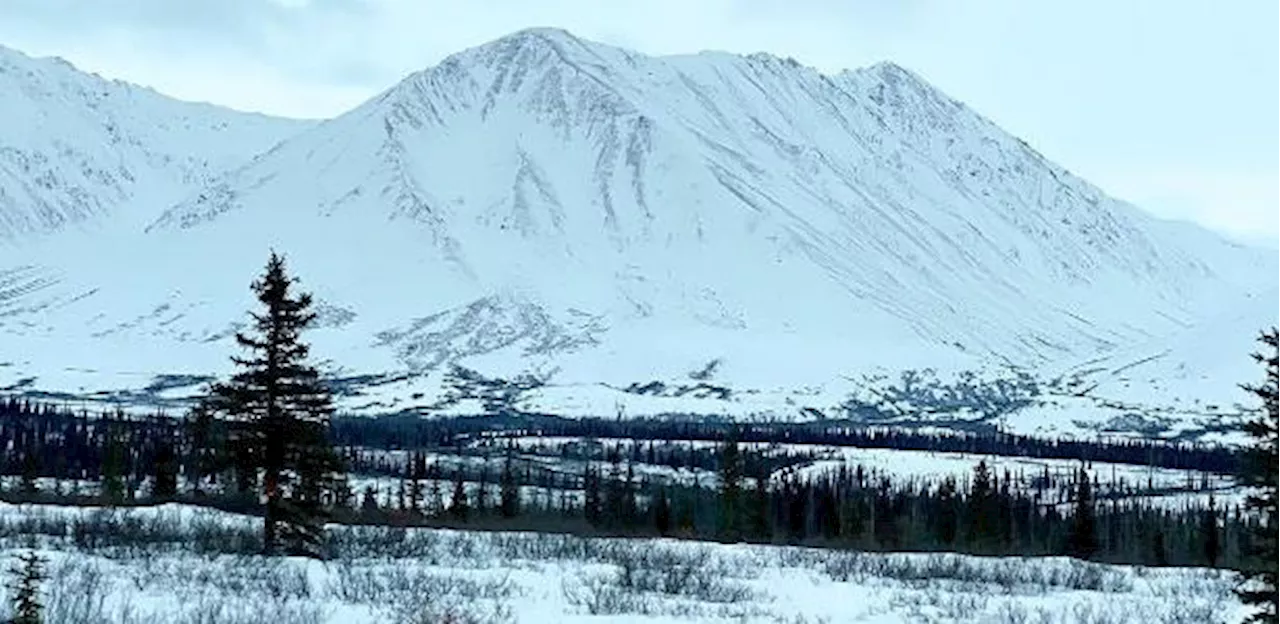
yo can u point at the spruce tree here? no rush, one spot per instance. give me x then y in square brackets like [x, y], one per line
[614, 494]
[662, 512]
[1082, 539]
[459, 508]
[483, 500]
[417, 471]
[435, 497]
[206, 449]
[24, 584]
[946, 518]
[165, 477]
[760, 502]
[113, 486]
[1259, 470]
[1159, 548]
[980, 508]
[1209, 536]
[28, 485]
[731, 478]
[279, 411]
[509, 490]
[592, 510]
[687, 512]
[630, 510]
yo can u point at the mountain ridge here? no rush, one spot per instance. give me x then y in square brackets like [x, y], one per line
[83, 150]
[543, 202]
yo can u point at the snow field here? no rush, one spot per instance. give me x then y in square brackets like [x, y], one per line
[178, 570]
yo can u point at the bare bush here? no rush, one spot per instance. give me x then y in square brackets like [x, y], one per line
[597, 594]
[1005, 573]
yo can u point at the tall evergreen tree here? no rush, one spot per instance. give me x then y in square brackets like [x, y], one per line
[629, 514]
[662, 512]
[435, 497]
[759, 516]
[28, 485]
[731, 478]
[981, 510]
[592, 509]
[165, 471]
[614, 493]
[1209, 536]
[945, 519]
[509, 490]
[483, 501]
[1082, 540]
[417, 471]
[279, 410]
[1259, 470]
[206, 445]
[459, 508]
[113, 465]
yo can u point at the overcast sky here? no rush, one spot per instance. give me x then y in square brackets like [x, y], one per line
[1174, 105]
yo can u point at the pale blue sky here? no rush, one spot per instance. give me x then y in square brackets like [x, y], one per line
[1174, 105]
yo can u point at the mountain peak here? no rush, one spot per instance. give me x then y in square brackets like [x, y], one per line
[890, 68]
[547, 33]
[544, 42]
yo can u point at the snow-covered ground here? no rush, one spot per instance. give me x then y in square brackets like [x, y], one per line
[415, 576]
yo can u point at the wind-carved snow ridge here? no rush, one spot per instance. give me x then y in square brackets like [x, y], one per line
[542, 201]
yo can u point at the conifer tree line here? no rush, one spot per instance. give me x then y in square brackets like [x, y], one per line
[413, 431]
[846, 507]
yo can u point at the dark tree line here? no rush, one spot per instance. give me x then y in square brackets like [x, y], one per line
[848, 507]
[413, 431]
[127, 456]
[752, 499]
[845, 507]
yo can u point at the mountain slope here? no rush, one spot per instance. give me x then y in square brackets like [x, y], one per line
[77, 149]
[543, 203]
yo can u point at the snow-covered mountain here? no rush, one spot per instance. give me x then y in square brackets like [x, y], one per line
[76, 149]
[601, 218]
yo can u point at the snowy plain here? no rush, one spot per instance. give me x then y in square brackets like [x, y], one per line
[427, 575]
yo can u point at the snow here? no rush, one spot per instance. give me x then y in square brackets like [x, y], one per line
[529, 577]
[80, 151]
[601, 218]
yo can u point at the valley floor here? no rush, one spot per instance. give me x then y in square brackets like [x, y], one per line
[178, 563]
